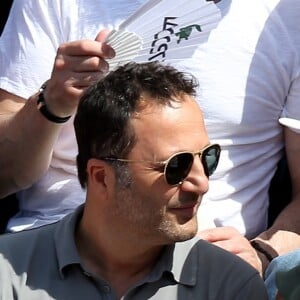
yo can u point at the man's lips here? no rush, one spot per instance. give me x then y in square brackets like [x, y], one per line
[185, 204]
[187, 209]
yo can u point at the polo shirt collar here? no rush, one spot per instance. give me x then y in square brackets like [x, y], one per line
[184, 262]
[179, 259]
[64, 239]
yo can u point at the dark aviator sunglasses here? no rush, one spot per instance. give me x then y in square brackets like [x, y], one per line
[178, 165]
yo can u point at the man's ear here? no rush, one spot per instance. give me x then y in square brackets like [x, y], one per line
[98, 173]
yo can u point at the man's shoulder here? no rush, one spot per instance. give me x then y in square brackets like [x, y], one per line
[208, 258]
[218, 272]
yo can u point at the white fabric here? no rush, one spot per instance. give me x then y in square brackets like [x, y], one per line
[249, 74]
[249, 78]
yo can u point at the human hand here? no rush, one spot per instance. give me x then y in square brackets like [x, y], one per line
[231, 240]
[77, 65]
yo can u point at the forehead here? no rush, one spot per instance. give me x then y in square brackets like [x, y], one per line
[170, 128]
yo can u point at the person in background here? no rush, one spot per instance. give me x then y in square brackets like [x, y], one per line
[8, 205]
[37, 139]
[249, 77]
[283, 277]
[144, 180]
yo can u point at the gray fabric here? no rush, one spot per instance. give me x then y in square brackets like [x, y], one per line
[44, 263]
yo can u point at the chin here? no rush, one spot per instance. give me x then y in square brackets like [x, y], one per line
[186, 235]
[180, 232]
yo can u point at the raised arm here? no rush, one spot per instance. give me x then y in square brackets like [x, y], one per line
[26, 136]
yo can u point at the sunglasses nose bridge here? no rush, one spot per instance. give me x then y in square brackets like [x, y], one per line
[196, 179]
[203, 162]
[190, 164]
[199, 158]
[196, 164]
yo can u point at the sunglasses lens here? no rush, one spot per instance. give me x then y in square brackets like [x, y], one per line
[210, 159]
[178, 167]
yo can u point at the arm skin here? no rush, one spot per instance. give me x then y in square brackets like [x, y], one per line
[283, 236]
[26, 140]
[26, 136]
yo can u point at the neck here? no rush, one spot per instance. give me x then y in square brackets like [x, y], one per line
[120, 261]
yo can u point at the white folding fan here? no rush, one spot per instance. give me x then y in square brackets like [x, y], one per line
[164, 30]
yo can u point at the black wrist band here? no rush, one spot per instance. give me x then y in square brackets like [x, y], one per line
[260, 249]
[42, 107]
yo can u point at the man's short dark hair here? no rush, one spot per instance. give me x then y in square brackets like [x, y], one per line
[102, 122]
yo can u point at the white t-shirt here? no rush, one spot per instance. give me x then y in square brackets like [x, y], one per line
[249, 77]
[249, 74]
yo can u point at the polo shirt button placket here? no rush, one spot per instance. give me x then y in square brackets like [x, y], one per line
[87, 274]
[106, 288]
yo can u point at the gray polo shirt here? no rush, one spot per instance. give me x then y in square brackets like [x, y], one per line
[43, 263]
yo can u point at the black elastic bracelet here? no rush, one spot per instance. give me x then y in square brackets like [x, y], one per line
[42, 107]
[260, 249]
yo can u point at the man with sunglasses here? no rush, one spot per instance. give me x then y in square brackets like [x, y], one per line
[145, 180]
